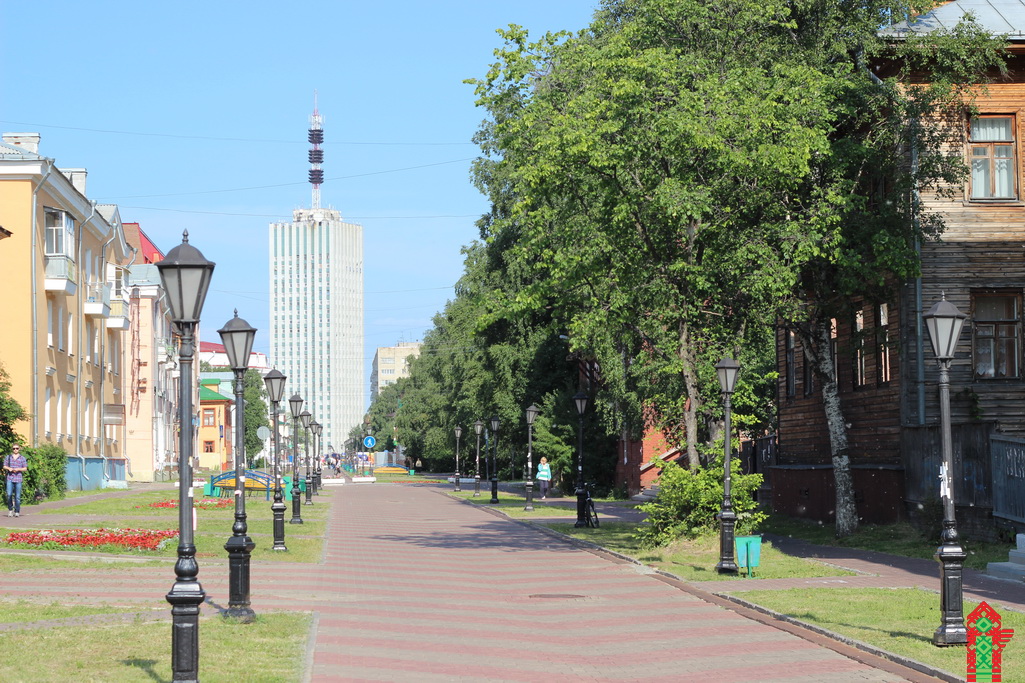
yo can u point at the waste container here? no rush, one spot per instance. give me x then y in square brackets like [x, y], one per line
[286, 486]
[208, 487]
[749, 552]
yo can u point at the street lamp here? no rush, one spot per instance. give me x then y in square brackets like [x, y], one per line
[305, 417]
[727, 369]
[237, 336]
[478, 427]
[944, 322]
[459, 433]
[495, 424]
[532, 413]
[316, 428]
[580, 399]
[275, 383]
[295, 404]
[185, 276]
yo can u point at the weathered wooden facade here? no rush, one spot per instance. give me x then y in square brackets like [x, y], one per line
[885, 367]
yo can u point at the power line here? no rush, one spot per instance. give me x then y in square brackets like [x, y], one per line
[278, 215]
[222, 139]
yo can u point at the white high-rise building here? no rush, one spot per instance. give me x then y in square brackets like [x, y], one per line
[316, 309]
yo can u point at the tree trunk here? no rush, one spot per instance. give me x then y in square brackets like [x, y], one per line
[846, 512]
[693, 406]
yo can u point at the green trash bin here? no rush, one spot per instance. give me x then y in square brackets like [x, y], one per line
[749, 552]
[286, 485]
[208, 487]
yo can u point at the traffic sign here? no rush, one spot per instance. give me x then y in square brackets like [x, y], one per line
[369, 442]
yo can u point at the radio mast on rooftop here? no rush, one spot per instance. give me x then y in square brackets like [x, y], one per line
[316, 155]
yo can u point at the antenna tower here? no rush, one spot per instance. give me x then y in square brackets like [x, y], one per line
[316, 154]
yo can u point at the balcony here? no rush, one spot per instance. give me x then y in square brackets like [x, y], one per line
[97, 300]
[118, 319]
[61, 274]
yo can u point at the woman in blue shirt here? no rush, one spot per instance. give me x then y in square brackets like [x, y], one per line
[544, 476]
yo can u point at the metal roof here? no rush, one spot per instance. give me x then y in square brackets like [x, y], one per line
[997, 17]
[7, 151]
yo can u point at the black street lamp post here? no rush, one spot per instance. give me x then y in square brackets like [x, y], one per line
[944, 322]
[580, 399]
[532, 413]
[305, 418]
[275, 383]
[317, 429]
[237, 336]
[727, 370]
[295, 404]
[495, 424]
[478, 427]
[185, 276]
[459, 433]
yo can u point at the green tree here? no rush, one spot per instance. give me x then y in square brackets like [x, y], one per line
[682, 174]
[11, 413]
[255, 413]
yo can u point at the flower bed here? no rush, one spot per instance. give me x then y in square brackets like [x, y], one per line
[203, 504]
[136, 539]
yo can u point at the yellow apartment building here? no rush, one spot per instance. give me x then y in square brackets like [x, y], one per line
[63, 335]
[213, 447]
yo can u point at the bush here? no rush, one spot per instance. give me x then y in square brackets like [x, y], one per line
[47, 466]
[689, 501]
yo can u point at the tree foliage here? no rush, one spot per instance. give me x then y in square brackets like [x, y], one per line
[255, 413]
[11, 413]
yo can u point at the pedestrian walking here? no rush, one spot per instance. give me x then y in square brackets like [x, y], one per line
[15, 467]
[544, 476]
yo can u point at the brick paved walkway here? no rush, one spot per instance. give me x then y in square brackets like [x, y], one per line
[417, 586]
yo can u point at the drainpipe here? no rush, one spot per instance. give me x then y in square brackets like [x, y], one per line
[80, 317]
[35, 308]
[103, 370]
[919, 337]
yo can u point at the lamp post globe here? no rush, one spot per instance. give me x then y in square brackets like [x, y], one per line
[945, 322]
[274, 381]
[295, 405]
[237, 336]
[580, 400]
[478, 427]
[458, 432]
[727, 370]
[532, 413]
[185, 276]
[496, 423]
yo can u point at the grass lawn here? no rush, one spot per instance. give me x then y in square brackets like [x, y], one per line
[512, 503]
[897, 539]
[269, 650]
[13, 612]
[900, 621]
[694, 560]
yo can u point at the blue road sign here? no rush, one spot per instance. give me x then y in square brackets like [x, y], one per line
[369, 442]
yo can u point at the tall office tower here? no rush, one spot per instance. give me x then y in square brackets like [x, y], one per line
[316, 307]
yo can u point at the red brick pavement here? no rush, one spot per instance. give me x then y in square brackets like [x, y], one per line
[417, 586]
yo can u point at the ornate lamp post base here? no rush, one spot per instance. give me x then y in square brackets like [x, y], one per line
[309, 492]
[296, 507]
[951, 557]
[278, 508]
[581, 507]
[457, 478]
[185, 597]
[727, 523]
[476, 486]
[529, 507]
[239, 548]
[494, 490]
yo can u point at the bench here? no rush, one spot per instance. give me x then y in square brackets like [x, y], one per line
[255, 482]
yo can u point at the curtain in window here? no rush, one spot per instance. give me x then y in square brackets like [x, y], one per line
[992, 164]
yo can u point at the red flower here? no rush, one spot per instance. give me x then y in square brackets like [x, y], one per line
[142, 539]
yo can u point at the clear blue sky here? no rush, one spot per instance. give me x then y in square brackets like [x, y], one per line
[194, 115]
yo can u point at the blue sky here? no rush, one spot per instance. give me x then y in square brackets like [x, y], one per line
[193, 115]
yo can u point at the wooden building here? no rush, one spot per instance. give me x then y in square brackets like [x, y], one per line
[886, 371]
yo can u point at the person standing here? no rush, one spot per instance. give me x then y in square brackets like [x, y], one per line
[15, 467]
[544, 476]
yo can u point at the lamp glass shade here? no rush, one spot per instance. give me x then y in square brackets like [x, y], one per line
[275, 383]
[304, 418]
[495, 424]
[727, 369]
[532, 413]
[295, 404]
[315, 427]
[237, 336]
[185, 276]
[478, 427]
[944, 322]
[459, 431]
[581, 400]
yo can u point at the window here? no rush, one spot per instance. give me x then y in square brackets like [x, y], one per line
[992, 157]
[208, 419]
[997, 333]
[208, 446]
[859, 349]
[809, 375]
[60, 232]
[791, 370]
[883, 342]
